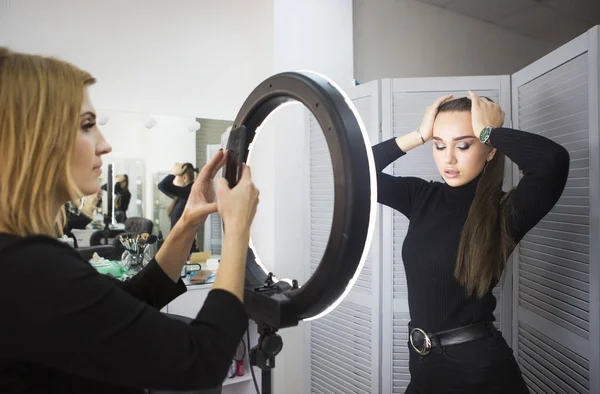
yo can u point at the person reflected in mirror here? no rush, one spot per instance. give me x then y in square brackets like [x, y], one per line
[460, 236]
[68, 328]
[177, 186]
[122, 197]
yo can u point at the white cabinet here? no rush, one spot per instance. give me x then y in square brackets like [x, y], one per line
[188, 304]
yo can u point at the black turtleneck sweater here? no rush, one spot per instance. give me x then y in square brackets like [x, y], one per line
[437, 214]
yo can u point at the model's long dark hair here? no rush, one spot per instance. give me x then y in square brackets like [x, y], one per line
[485, 243]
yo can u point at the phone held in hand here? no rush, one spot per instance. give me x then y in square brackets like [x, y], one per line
[236, 155]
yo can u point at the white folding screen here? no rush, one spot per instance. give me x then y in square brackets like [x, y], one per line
[344, 346]
[556, 294]
[549, 299]
[403, 105]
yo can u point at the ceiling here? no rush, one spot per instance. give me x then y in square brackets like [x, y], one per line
[554, 21]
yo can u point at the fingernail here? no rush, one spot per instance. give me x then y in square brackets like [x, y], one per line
[221, 150]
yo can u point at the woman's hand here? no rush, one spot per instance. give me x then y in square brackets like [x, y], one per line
[484, 113]
[237, 206]
[426, 127]
[201, 201]
[176, 169]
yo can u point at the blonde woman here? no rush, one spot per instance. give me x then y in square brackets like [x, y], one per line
[65, 328]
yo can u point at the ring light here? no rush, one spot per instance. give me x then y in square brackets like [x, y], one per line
[277, 303]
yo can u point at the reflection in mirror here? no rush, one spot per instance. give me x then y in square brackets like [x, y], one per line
[145, 147]
[292, 168]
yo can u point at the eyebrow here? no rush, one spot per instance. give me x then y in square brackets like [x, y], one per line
[464, 137]
[90, 113]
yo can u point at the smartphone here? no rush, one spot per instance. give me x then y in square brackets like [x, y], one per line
[236, 155]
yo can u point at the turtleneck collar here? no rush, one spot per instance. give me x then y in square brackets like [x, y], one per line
[466, 191]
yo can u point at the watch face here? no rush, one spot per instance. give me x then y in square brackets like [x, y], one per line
[485, 134]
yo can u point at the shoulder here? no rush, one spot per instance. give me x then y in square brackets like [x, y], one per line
[35, 254]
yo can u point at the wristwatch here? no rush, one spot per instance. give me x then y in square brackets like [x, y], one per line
[485, 134]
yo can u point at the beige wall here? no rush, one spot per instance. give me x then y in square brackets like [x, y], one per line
[404, 38]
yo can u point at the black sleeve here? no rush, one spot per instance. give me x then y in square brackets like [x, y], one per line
[153, 286]
[69, 318]
[78, 222]
[166, 186]
[395, 191]
[545, 167]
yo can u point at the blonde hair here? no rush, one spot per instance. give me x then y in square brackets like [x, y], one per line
[40, 104]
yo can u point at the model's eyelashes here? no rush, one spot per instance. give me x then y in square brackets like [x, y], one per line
[458, 146]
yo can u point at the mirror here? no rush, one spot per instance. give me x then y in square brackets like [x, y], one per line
[145, 148]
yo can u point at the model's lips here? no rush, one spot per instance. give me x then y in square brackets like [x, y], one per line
[451, 172]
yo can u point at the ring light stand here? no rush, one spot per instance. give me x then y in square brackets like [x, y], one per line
[274, 304]
[109, 204]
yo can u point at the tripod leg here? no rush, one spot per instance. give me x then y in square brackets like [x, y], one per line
[266, 382]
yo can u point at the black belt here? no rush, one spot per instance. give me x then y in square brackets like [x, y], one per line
[423, 342]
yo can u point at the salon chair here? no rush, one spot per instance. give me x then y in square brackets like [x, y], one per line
[216, 390]
[138, 225]
[135, 225]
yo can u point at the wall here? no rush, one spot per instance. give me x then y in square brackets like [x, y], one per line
[404, 38]
[196, 58]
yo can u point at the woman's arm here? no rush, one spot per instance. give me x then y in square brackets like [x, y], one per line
[395, 191]
[166, 186]
[544, 163]
[72, 319]
[400, 192]
[545, 167]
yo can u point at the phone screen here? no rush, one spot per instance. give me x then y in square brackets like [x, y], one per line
[236, 155]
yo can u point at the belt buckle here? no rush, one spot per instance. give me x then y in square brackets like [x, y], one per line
[426, 347]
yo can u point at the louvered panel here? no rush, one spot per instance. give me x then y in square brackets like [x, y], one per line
[321, 194]
[400, 372]
[344, 353]
[552, 83]
[322, 203]
[554, 259]
[554, 256]
[341, 350]
[548, 366]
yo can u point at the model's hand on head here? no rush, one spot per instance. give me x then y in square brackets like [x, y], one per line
[484, 113]
[426, 127]
[201, 201]
[176, 169]
[237, 206]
